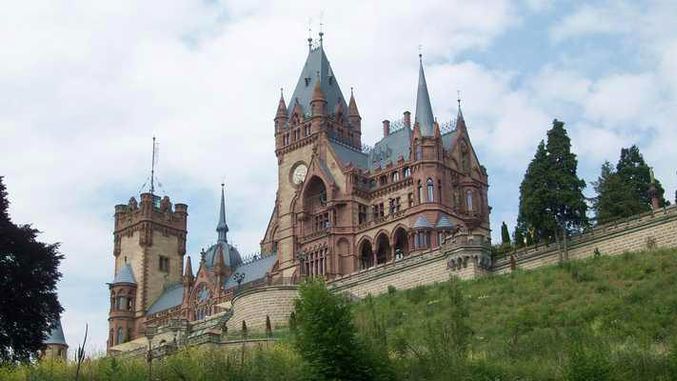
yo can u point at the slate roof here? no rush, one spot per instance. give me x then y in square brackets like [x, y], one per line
[390, 148]
[444, 222]
[56, 335]
[125, 275]
[231, 257]
[171, 296]
[422, 223]
[316, 62]
[424, 111]
[252, 271]
[350, 155]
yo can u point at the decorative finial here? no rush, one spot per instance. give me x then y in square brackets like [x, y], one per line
[459, 98]
[321, 27]
[351, 91]
[420, 54]
[281, 92]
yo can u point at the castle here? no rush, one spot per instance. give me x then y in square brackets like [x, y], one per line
[340, 209]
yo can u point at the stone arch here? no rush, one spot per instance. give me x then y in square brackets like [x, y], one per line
[400, 239]
[383, 249]
[315, 194]
[366, 253]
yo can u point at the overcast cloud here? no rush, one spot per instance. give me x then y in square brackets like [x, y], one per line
[84, 86]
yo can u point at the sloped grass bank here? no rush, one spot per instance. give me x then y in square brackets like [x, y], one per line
[605, 318]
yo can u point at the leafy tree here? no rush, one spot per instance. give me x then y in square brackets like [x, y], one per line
[28, 303]
[326, 337]
[634, 171]
[551, 194]
[615, 196]
[505, 235]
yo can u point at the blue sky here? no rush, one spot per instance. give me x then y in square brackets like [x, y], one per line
[84, 86]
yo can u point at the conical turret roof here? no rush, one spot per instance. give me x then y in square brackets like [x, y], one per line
[56, 335]
[424, 111]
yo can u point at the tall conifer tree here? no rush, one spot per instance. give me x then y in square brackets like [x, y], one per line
[551, 194]
[505, 235]
[615, 197]
[633, 170]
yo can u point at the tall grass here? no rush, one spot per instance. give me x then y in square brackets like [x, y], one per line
[605, 318]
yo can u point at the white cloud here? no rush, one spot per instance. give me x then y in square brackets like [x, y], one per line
[83, 87]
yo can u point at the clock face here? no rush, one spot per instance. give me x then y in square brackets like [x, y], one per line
[299, 174]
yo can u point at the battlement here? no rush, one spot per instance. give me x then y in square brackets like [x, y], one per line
[151, 208]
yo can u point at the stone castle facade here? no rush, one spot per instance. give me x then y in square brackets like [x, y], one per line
[340, 209]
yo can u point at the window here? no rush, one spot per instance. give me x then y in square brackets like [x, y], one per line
[164, 264]
[378, 210]
[314, 263]
[431, 190]
[468, 200]
[410, 198]
[419, 153]
[361, 214]
[322, 221]
[396, 176]
[421, 239]
[407, 172]
[420, 192]
[285, 139]
[440, 238]
[383, 180]
[394, 205]
[121, 336]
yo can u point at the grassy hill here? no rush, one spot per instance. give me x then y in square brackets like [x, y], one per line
[617, 313]
[603, 318]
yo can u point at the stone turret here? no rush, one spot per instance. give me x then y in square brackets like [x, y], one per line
[55, 346]
[149, 243]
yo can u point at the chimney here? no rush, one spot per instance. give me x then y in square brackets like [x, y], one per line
[407, 119]
[386, 128]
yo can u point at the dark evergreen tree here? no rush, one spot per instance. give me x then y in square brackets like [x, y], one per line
[633, 170]
[551, 194]
[518, 236]
[28, 276]
[615, 197]
[505, 235]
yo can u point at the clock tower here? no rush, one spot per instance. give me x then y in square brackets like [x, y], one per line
[317, 111]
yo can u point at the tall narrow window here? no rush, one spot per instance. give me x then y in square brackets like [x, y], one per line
[164, 264]
[407, 172]
[420, 192]
[431, 190]
[396, 176]
[468, 200]
[121, 336]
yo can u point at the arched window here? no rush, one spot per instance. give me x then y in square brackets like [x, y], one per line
[407, 172]
[396, 176]
[121, 336]
[431, 190]
[468, 200]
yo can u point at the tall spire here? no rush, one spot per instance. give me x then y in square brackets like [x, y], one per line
[352, 105]
[281, 106]
[222, 227]
[460, 122]
[424, 112]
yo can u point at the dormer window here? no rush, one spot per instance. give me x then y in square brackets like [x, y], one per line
[307, 79]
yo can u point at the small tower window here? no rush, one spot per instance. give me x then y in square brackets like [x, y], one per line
[396, 176]
[431, 190]
[121, 336]
[468, 200]
[407, 172]
[420, 192]
[164, 264]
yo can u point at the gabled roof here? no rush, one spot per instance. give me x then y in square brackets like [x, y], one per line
[424, 111]
[444, 222]
[422, 223]
[125, 275]
[171, 296]
[316, 63]
[56, 335]
[348, 154]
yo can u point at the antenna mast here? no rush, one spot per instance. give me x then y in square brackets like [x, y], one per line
[152, 170]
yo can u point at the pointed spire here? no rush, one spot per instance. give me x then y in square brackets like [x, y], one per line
[222, 227]
[188, 272]
[424, 111]
[460, 122]
[281, 107]
[352, 105]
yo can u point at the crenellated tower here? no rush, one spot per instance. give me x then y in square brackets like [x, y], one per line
[149, 245]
